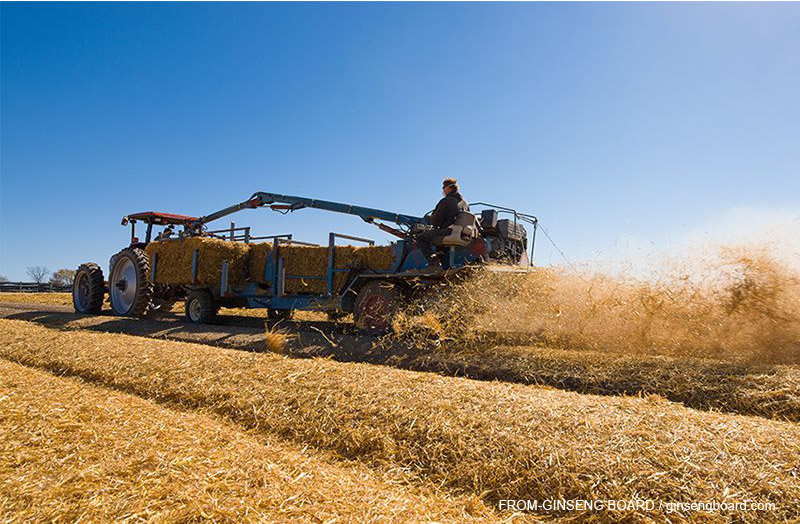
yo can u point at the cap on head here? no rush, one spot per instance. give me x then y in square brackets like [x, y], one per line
[450, 183]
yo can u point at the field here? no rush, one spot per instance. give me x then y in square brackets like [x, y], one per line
[65, 299]
[167, 465]
[479, 439]
[51, 299]
[400, 430]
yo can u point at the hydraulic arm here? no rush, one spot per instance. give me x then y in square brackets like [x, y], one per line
[292, 203]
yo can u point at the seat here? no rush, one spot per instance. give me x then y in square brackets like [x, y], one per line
[463, 231]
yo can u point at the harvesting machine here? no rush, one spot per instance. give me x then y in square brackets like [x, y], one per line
[496, 235]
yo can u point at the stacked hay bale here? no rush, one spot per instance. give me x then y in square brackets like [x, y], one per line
[302, 262]
[174, 265]
[259, 254]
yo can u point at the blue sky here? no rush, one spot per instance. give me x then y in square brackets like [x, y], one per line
[610, 122]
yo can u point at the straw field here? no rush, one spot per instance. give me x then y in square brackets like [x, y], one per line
[71, 452]
[65, 299]
[50, 299]
[750, 388]
[492, 440]
[765, 390]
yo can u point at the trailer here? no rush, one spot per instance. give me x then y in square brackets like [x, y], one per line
[496, 236]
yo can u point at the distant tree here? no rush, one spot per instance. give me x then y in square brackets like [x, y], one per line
[63, 277]
[3, 279]
[38, 273]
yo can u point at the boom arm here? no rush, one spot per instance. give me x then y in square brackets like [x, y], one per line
[293, 203]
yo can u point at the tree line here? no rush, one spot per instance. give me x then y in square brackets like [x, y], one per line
[39, 274]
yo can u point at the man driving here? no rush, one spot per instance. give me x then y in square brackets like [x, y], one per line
[442, 218]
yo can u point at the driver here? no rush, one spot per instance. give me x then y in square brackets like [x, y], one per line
[167, 233]
[442, 218]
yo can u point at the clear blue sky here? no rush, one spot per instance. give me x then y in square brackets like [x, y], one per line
[605, 120]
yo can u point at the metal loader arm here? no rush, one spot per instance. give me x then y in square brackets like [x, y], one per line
[292, 203]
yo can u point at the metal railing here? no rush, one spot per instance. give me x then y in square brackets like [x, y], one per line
[242, 234]
[523, 217]
[332, 255]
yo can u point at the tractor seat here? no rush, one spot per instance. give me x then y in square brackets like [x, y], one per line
[463, 231]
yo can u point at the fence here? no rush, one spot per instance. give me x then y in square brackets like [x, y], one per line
[32, 287]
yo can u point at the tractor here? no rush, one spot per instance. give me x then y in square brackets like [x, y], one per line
[496, 237]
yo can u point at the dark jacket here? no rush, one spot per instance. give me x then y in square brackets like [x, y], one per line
[447, 210]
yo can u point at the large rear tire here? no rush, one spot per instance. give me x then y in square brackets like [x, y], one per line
[128, 284]
[88, 289]
[200, 306]
[376, 305]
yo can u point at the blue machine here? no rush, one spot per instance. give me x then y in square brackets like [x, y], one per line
[372, 296]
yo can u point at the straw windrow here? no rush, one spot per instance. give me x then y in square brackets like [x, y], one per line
[72, 452]
[498, 440]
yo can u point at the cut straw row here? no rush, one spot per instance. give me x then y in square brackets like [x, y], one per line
[75, 452]
[499, 441]
[765, 390]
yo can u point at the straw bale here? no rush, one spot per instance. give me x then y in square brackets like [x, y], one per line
[312, 261]
[259, 254]
[174, 264]
[502, 441]
[74, 452]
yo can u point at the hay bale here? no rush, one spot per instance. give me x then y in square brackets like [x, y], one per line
[174, 264]
[312, 261]
[259, 254]
[377, 258]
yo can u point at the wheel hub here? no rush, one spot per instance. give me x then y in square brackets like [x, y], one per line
[123, 290]
[81, 292]
[195, 310]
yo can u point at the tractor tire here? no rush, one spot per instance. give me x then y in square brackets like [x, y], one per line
[200, 306]
[376, 305]
[129, 286]
[88, 289]
[280, 314]
[129, 283]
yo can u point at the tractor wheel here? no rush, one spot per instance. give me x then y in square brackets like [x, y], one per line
[280, 314]
[200, 306]
[129, 284]
[88, 289]
[376, 305]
